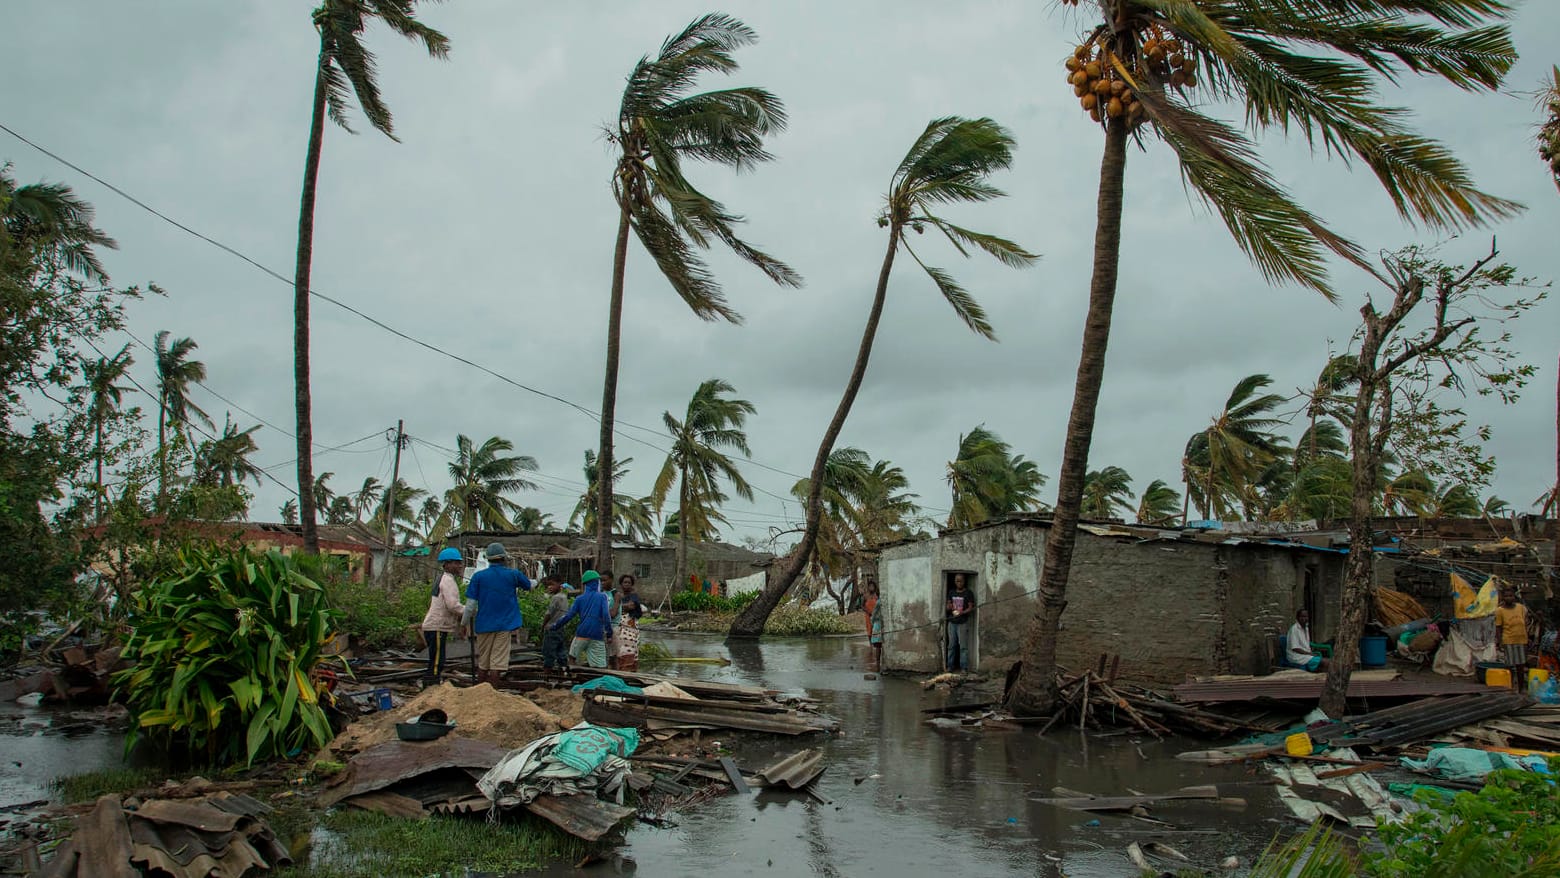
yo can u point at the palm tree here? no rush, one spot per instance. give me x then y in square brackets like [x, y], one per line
[289, 511]
[1323, 489]
[989, 481]
[1158, 504]
[345, 66]
[321, 492]
[428, 516]
[1495, 506]
[885, 508]
[633, 517]
[341, 511]
[529, 519]
[367, 496]
[176, 374]
[1305, 67]
[1549, 132]
[224, 461]
[404, 517]
[484, 477]
[712, 426]
[951, 162]
[660, 125]
[1412, 493]
[100, 379]
[844, 479]
[1107, 491]
[1237, 447]
[49, 219]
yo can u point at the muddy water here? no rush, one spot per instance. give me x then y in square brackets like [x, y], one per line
[934, 800]
[37, 745]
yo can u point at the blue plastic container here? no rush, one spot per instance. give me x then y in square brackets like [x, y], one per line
[382, 698]
[1373, 652]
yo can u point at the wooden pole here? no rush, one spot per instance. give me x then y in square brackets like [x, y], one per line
[395, 476]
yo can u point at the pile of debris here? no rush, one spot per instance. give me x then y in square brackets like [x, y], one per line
[222, 835]
[657, 704]
[76, 675]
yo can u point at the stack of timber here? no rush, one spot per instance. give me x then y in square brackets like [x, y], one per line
[693, 704]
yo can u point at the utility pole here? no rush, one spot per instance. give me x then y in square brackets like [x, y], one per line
[395, 476]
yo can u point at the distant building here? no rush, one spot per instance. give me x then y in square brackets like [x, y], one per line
[654, 566]
[1170, 603]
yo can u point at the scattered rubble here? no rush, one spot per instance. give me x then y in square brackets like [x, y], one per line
[223, 835]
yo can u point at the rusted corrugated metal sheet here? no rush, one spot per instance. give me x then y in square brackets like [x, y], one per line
[220, 836]
[581, 816]
[392, 762]
[795, 771]
[1293, 689]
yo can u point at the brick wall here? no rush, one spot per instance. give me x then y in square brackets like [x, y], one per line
[1169, 609]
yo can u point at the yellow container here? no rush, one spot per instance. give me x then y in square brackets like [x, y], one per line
[1298, 744]
[1536, 678]
[1498, 677]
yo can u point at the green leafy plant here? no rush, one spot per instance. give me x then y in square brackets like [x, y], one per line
[1510, 827]
[378, 616]
[698, 602]
[794, 620]
[222, 650]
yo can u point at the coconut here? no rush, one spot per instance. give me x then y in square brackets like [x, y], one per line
[1115, 109]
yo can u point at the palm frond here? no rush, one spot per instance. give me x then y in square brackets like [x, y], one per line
[1007, 252]
[680, 264]
[1220, 165]
[969, 310]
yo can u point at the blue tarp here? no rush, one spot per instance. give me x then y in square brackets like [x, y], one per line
[610, 684]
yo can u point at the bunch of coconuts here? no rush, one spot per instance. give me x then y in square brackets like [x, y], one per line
[1102, 91]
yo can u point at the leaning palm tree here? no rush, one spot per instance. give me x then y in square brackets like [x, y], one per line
[100, 379]
[951, 162]
[345, 67]
[367, 496]
[484, 478]
[427, 517]
[660, 126]
[403, 519]
[711, 427]
[989, 481]
[1107, 492]
[1239, 445]
[177, 373]
[1158, 504]
[321, 493]
[1307, 67]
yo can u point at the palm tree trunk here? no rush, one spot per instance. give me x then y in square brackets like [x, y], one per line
[162, 452]
[609, 397]
[101, 491]
[682, 533]
[1186, 501]
[1034, 691]
[305, 425]
[750, 622]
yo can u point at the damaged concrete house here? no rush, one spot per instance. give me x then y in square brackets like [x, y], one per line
[1171, 603]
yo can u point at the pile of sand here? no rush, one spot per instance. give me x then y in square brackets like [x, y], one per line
[504, 718]
[562, 703]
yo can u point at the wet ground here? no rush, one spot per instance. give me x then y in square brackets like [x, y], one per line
[38, 744]
[931, 800]
[935, 800]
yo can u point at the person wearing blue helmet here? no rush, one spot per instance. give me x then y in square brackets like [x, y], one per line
[444, 612]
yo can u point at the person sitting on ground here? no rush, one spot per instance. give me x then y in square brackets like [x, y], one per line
[1298, 651]
[555, 656]
[444, 613]
[493, 612]
[1511, 619]
[590, 608]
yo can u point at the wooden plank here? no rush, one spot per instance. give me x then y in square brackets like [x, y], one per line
[737, 783]
[1353, 769]
[1127, 803]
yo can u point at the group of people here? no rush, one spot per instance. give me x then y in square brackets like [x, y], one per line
[490, 614]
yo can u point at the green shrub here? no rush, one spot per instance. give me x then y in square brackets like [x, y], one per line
[794, 620]
[222, 649]
[380, 617]
[1510, 827]
[697, 602]
[740, 601]
[87, 786]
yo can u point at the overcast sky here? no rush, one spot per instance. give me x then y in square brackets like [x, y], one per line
[488, 232]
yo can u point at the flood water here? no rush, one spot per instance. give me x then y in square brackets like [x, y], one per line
[929, 801]
[934, 800]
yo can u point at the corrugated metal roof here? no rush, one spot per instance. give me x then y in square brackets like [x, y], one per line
[795, 771]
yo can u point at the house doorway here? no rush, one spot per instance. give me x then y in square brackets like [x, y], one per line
[964, 654]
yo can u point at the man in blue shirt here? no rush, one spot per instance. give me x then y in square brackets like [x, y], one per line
[591, 608]
[493, 612]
